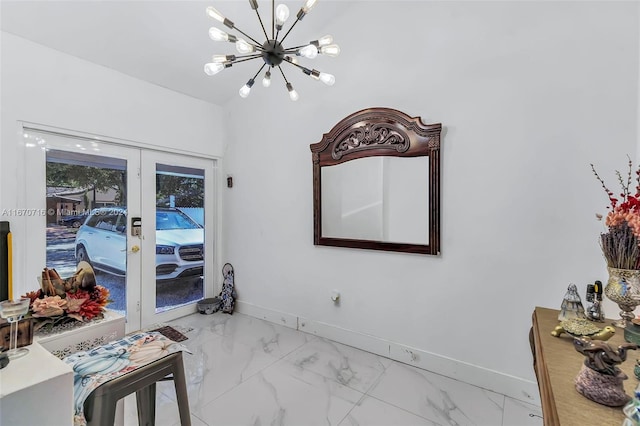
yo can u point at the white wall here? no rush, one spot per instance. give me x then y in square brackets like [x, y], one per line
[528, 94]
[46, 87]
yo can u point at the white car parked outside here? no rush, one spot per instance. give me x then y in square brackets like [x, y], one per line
[102, 241]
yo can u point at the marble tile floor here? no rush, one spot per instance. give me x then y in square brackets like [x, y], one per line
[248, 372]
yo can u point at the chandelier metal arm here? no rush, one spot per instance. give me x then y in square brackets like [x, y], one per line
[310, 72]
[233, 39]
[246, 58]
[261, 24]
[247, 36]
[294, 64]
[294, 49]
[307, 71]
[257, 47]
[282, 72]
[261, 68]
[292, 93]
[294, 24]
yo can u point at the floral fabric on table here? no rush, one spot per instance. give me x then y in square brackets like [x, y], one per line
[99, 365]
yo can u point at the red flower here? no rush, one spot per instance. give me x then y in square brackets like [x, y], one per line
[621, 242]
[629, 209]
[90, 309]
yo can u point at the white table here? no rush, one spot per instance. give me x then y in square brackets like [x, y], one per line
[36, 389]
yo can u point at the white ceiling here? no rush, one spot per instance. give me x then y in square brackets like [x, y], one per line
[162, 42]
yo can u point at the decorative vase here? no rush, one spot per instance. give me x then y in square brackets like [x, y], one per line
[623, 288]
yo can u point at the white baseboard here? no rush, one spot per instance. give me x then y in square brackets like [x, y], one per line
[511, 386]
[270, 315]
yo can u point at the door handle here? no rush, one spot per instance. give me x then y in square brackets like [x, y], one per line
[135, 249]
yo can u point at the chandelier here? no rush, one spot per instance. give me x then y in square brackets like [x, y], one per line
[272, 51]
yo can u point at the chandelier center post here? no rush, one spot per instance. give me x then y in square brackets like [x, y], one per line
[273, 53]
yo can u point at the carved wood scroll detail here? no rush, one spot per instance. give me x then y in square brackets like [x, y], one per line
[371, 136]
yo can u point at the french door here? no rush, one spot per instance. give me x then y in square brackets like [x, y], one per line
[136, 215]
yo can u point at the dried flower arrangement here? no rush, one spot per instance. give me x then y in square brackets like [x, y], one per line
[621, 243]
[60, 301]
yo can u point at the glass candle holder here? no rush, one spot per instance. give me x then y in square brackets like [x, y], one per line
[13, 311]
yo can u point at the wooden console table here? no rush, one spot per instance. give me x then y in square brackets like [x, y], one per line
[557, 363]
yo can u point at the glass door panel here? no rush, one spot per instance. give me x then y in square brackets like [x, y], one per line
[74, 184]
[176, 217]
[179, 236]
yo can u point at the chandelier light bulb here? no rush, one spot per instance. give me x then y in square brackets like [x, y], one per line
[213, 12]
[308, 5]
[246, 89]
[243, 47]
[324, 40]
[219, 59]
[282, 14]
[330, 50]
[217, 34]
[292, 92]
[213, 68]
[327, 79]
[309, 51]
[266, 81]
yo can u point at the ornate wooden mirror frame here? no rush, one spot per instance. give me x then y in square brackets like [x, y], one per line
[380, 132]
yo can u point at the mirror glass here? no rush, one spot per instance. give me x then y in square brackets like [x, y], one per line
[389, 203]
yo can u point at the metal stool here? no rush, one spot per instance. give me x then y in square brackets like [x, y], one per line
[100, 405]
